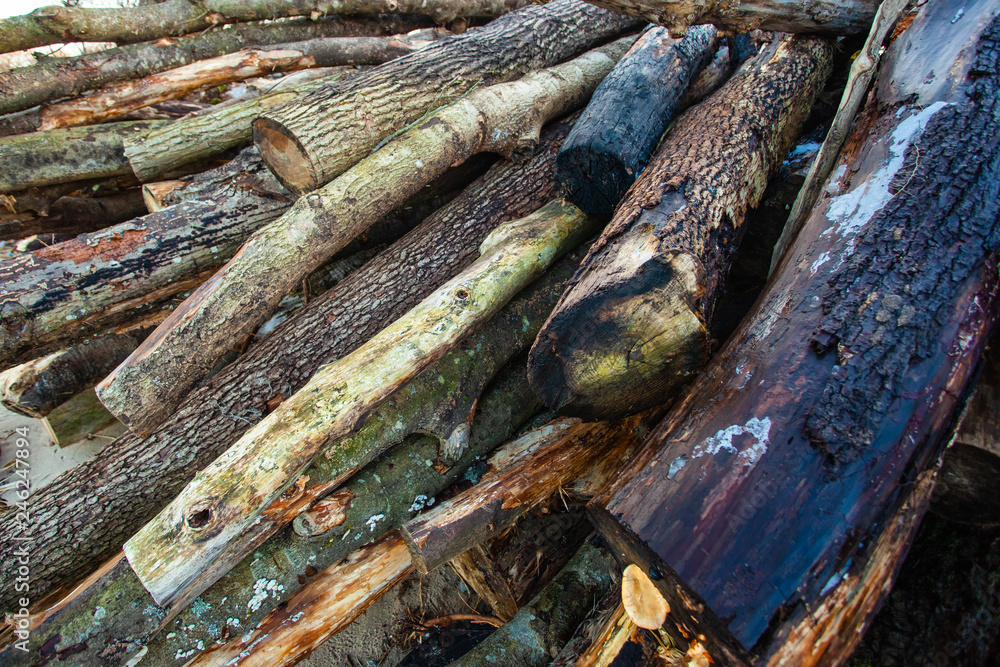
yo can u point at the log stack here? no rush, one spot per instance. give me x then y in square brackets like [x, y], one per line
[371, 288]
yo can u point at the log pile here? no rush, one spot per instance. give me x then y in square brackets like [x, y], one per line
[440, 284]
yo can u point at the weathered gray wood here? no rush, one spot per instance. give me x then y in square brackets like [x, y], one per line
[311, 141]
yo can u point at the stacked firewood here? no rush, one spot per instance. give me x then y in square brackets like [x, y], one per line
[435, 267]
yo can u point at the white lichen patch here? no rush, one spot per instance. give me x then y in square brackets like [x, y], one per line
[420, 502]
[372, 520]
[262, 588]
[758, 429]
[99, 613]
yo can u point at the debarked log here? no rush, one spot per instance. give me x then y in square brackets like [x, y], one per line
[829, 17]
[309, 142]
[633, 328]
[61, 156]
[611, 143]
[136, 477]
[505, 118]
[831, 401]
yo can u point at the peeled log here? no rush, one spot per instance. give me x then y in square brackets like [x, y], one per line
[60, 156]
[611, 143]
[135, 478]
[506, 118]
[633, 329]
[311, 141]
[782, 471]
[828, 17]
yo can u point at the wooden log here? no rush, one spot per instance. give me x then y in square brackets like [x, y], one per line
[170, 551]
[612, 142]
[62, 293]
[60, 156]
[77, 419]
[505, 119]
[713, 75]
[280, 566]
[309, 142]
[37, 387]
[821, 413]
[634, 328]
[56, 25]
[540, 629]
[827, 17]
[73, 215]
[521, 475]
[53, 78]
[136, 477]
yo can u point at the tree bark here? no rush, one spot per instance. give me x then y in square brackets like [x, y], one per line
[62, 293]
[60, 156]
[136, 477]
[827, 17]
[612, 142]
[633, 329]
[170, 551]
[311, 141]
[37, 387]
[505, 119]
[543, 626]
[73, 215]
[56, 25]
[278, 567]
[53, 78]
[787, 461]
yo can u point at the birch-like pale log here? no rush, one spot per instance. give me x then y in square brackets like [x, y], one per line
[309, 142]
[225, 498]
[506, 118]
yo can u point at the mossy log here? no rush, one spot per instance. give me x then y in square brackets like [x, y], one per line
[170, 551]
[542, 627]
[59, 294]
[309, 142]
[826, 407]
[633, 329]
[126, 25]
[54, 78]
[505, 118]
[71, 214]
[827, 17]
[60, 156]
[611, 144]
[110, 618]
[136, 477]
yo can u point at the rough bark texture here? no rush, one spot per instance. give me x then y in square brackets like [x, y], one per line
[540, 629]
[55, 25]
[72, 215]
[61, 293]
[174, 548]
[60, 156]
[633, 328]
[52, 78]
[839, 390]
[309, 142]
[829, 17]
[611, 144]
[39, 386]
[505, 118]
[387, 491]
[136, 477]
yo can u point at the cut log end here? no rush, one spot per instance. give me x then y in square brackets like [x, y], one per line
[154, 193]
[285, 156]
[592, 180]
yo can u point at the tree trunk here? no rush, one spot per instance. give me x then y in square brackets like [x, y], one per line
[786, 463]
[611, 145]
[170, 551]
[278, 567]
[543, 626]
[74, 215]
[60, 156]
[505, 119]
[828, 17]
[37, 387]
[53, 78]
[522, 474]
[136, 477]
[56, 25]
[311, 141]
[633, 329]
[62, 293]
